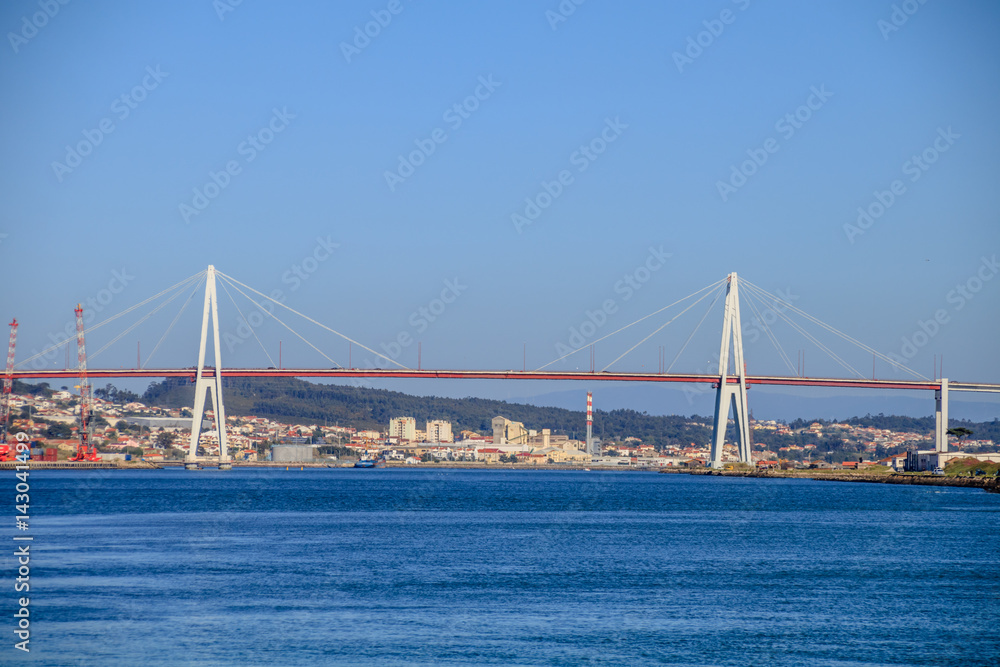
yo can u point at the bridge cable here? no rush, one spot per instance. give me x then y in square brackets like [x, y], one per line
[718, 294]
[235, 282]
[56, 346]
[815, 341]
[568, 354]
[767, 330]
[833, 330]
[252, 330]
[171, 327]
[833, 355]
[841, 334]
[136, 324]
[657, 330]
[302, 338]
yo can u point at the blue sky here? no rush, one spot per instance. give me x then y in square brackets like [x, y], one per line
[669, 119]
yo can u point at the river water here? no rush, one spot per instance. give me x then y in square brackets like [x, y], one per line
[317, 567]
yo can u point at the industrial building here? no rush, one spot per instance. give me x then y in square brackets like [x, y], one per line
[292, 453]
[507, 432]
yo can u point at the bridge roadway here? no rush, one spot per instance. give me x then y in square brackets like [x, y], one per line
[602, 376]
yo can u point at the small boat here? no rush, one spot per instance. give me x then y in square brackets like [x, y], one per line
[365, 463]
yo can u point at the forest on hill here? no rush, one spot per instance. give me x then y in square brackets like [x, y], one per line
[298, 401]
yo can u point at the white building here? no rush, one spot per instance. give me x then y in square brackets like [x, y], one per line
[403, 428]
[929, 459]
[439, 431]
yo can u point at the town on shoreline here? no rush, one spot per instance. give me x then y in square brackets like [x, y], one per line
[134, 433]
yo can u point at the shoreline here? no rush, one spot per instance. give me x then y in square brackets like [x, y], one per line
[986, 483]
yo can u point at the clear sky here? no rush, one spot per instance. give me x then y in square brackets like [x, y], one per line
[367, 175]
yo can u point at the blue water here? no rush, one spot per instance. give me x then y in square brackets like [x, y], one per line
[316, 567]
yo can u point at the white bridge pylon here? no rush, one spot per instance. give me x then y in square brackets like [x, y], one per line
[213, 384]
[736, 393]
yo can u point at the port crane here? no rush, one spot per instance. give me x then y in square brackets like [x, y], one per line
[84, 450]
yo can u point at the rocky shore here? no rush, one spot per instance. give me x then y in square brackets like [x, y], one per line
[990, 484]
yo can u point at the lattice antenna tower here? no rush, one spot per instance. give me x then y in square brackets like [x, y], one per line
[84, 386]
[8, 383]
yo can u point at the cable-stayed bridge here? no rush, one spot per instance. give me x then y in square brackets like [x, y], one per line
[730, 382]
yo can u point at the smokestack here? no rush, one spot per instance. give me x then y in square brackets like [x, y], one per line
[590, 423]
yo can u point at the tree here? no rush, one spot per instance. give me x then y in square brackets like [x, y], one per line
[165, 439]
[960, 432]
[58, 431]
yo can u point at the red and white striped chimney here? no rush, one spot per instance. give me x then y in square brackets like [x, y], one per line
[590, 421]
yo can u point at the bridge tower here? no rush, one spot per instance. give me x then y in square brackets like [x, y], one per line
[734, 394]
[212, 384]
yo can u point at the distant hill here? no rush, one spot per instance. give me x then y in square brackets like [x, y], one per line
[298, 401]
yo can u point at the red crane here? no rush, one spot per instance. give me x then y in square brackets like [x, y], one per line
[6, 453]
[84, 452]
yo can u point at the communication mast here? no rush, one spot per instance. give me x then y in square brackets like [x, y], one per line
[8, 383]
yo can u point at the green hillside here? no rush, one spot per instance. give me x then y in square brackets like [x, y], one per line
[297, 401]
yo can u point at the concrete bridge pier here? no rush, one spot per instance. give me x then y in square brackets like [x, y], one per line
[941, 417]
